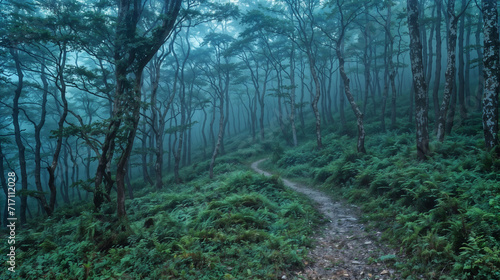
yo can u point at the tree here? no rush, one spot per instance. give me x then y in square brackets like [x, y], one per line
[217, 71]
[345, 18]
[450, 75]
[132, 52]
[17, 130]
[419, 83]
[437, 73]
[491, 72]
[450, 69]
[303, 13]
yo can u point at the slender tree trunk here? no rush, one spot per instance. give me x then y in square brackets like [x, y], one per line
[292, 95]
[355, 108]
[343, 121]
[376, 80]
[38, 144]
[17, 132]
[461, 68]
[419, 83]
[203, 131]
[65, 193]
[468, 60]
[129, 185]
[430, 51]
[212, 122]
[366, 60]
[182, 101]
[450, 70]
[423, 35]
[437, 75]
[316, 96]
[302, 96]
[480, 58]
[387, 70]
[219, 138]
[144, 153]
[392, 71]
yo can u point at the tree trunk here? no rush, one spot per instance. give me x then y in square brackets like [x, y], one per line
[354, 106]
[144, 154]
[468, 61]
[419, 82]
[480, 68]
[219, 138]
[491, 73]
[132, 121]
[343, 122]
[315, 100]
[38, 144]
[387, 70]
[17, 132]
[292, 95]
[450, 70]
[461, 69]
[437, 75]
[430, 52]
[203, 131]
[130, 57]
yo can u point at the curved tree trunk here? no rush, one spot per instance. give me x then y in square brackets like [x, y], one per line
[354, 106]
[17, 132]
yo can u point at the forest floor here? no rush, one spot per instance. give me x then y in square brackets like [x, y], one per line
[344, 250]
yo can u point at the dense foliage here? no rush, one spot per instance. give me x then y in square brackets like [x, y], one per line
[442, 212]
[240, 226]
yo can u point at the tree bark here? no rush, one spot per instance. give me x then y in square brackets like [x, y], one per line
[130, 57]
[419, 83]
[491, 73]
[450, 70]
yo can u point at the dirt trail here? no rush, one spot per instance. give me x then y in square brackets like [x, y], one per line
[344, 250]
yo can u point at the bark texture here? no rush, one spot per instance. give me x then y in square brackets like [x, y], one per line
[491, 73]
[450, 70]
[419, 83]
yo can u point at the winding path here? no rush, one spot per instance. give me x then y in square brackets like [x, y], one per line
[344, 250]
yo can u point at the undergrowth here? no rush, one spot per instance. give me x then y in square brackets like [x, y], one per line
[241, 226]
[443, 213]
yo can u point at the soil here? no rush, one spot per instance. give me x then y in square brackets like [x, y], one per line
[344, 249]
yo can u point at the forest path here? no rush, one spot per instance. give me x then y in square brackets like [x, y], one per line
[344, 250]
